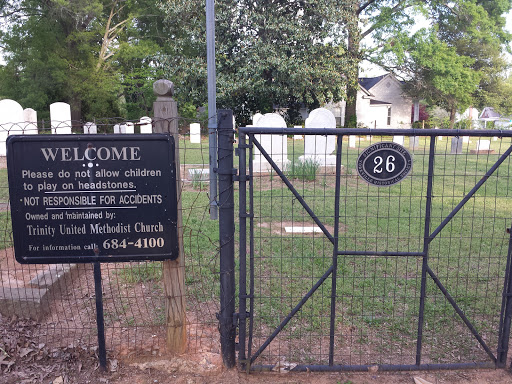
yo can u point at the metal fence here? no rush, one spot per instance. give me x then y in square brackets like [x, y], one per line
[338, 274]
[54, 305]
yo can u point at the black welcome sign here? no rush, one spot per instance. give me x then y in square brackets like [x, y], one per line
[93, 198]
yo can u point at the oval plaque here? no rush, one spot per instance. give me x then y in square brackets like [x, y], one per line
[384, 164]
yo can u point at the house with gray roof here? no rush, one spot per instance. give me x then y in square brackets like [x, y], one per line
[381, 103]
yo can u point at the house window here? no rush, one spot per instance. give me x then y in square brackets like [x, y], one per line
[389, 115]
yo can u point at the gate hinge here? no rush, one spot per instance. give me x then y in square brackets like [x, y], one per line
[233, 171]
[241, 177]
[237, 316]
[247, 215]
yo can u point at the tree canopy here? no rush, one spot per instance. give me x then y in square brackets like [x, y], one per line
[102, 56]
[268, 53]
[93, 54]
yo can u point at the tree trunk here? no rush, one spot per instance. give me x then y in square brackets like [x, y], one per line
[452, 117]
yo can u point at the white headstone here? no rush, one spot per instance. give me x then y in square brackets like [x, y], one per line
[483, 145]
[495, 138]
[60, 116]
[195, 133]
[11, 121]
[318, 148]
[297, 137]
[145, 125]
[275, 145]
[120, 128]
[465, 139]
[255, 119]
[90, 128]
[352, 141]
[130, 128]
[30, 118]
[398, 140]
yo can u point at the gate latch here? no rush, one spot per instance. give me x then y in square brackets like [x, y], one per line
[508, 230]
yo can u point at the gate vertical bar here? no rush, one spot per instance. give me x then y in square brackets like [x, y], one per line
[226, 237]
[506, 310]
[243, 251]
[426, 243]
[335, 248]
[251, 248]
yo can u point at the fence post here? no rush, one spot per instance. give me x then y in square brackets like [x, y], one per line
[226, 236]
[165, 111]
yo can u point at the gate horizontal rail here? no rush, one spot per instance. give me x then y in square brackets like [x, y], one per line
[374, 287]
[377, 132]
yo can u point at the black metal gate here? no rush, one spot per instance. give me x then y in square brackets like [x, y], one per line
[410, 276]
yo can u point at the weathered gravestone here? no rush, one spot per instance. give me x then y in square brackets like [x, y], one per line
[456, 146]
[119, 128]
[483, 146]
[11, 118]
[255, 118]
[145, 125]
[352, 141]
[318, 148]
[398, 140]
[195, 133]
[90, 128]
[130, 128]
[60, 116]
[30, 119]
[275, 145]
[414, 142]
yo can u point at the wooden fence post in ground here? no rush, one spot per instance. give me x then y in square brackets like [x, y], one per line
[166, 121]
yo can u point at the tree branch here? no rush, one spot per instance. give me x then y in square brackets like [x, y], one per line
[398, 7]
[364, 6]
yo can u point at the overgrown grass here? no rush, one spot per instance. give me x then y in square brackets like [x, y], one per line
[302, 170]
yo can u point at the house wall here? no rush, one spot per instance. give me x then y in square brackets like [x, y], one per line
[390, 90]
[365, 115]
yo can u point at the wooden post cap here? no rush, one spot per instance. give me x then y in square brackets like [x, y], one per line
[163, 88]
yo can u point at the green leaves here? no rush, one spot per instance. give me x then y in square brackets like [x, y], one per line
[268, 53]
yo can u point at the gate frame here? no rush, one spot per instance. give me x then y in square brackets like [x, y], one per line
[246, 358]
